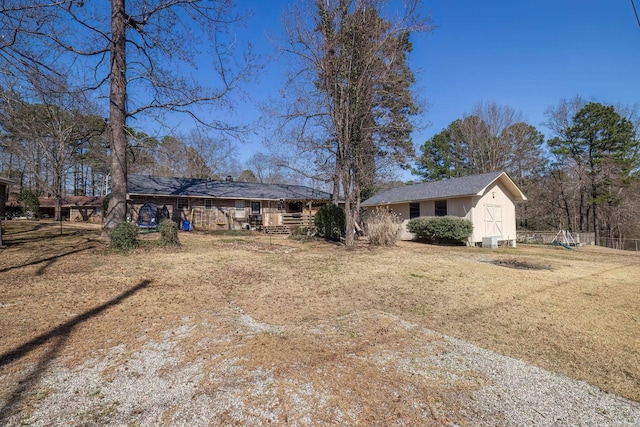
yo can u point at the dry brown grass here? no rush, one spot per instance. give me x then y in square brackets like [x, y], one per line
[310, 312]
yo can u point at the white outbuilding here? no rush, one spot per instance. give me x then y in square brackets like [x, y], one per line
[487, 200]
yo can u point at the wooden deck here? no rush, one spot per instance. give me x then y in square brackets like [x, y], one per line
[297, 220]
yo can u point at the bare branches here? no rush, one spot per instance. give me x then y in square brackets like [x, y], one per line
[351, 86]
[48, 135]
[56, 38]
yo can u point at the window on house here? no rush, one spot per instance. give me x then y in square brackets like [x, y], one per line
[255, 208]
[414, 210]
[295, 207]
[280, 205]
[441, 207]
[240, 208]
[208, 203]
[183, 204]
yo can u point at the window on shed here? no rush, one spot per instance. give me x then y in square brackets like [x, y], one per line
[208, 203]
[441, 207]
[414, 210]
[255, 208]
[183, 204]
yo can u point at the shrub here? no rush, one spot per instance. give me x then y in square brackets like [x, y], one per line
[30, 203]
[124, 237]
[169, 233]
[383, 227]
[441, 229]
[330, 222]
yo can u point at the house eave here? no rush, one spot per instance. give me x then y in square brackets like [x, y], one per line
[226, 197]
[384, 203]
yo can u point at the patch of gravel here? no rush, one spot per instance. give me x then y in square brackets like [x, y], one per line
[156, 384]
[514, 392]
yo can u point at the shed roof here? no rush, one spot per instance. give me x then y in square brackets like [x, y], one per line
[6, 181]
[191, 187]
[472, 185]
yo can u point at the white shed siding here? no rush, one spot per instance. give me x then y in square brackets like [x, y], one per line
[459, 207]
[495, 205]
[401, 209]
[427, 208]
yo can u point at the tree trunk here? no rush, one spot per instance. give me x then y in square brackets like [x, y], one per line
[57, 210]
[594, 217]
[117, 210]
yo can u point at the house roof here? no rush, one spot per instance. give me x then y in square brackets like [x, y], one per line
[190, 187]
[6, 181]
[472, 185]
[71, 201]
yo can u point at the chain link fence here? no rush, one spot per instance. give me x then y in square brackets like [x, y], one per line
[546, 237]
[621, 244]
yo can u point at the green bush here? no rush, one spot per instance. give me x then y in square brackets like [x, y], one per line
[124, 237]
[441, 229]
[30, 203]
[383, 227]
[169, 233]
[330, 222]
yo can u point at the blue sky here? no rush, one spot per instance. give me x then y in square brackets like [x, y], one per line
[528, 55]
[524, 54]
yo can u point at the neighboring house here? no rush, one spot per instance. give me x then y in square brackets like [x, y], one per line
[4, 194]
[210, 205]
[487, 200]
[73, 208]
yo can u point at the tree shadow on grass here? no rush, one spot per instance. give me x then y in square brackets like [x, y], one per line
[11, 240]
[48, 261]
[35, 226]
[16, 233]
[57, 337]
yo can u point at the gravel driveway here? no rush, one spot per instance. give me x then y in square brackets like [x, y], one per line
[162, 382]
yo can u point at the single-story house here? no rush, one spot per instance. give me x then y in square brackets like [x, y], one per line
[210, 205]
[4, 194]
[73, 208]
[487, 200]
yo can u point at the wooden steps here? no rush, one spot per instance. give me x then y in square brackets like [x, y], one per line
[276, 229]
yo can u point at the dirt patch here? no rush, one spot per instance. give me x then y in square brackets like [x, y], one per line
[519, 264]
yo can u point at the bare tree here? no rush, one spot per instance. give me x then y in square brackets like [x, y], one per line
[136, 51]
[212, 154]
[47, 135]
[267, 169]
[489, 138]
[355, 104]
[484, 136]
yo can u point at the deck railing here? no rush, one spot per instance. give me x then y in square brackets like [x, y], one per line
[297, 220]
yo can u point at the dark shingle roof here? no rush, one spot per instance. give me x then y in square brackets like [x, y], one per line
[171, 186]
[89, 201]
[445, 189]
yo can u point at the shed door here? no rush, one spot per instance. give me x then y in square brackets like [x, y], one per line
[493, 220]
